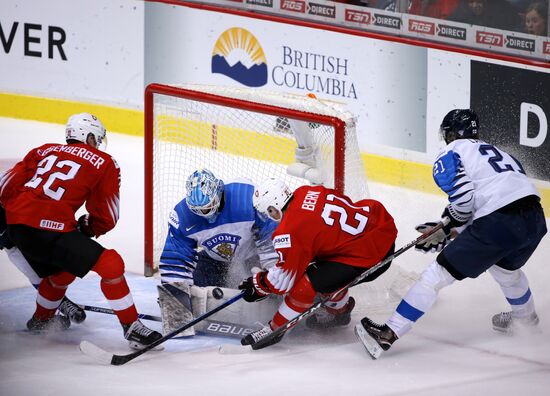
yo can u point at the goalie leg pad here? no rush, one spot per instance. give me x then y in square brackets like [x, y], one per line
[236, 320]
[175, 307]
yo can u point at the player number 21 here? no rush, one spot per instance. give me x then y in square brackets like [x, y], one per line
[330, 208]
[44, 167]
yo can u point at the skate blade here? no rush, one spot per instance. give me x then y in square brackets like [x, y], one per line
[370, 344]
[137, 346]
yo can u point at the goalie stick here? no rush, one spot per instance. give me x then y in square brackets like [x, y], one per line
[105, 357]
[279, 332]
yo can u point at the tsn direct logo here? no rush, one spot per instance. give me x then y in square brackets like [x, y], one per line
[293, 5]
[490, 39]
[357, 16]
[421, 27]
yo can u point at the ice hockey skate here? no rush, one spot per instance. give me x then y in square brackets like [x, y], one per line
[258, 335]
[506, 323]
[326, 317]
[72, 311]
[139, 335]
[376, 338]
[53, 324]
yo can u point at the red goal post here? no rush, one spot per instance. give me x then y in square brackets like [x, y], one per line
[240, 132]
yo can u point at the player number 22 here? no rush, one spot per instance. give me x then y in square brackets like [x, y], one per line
[330, 208]
[46, 166]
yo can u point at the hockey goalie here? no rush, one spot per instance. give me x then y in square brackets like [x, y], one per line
[215, 239]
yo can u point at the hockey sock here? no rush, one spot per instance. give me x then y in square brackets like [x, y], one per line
[50, 293]
[110, 267]
[338, 302]
[419, 299]
[297, 301]
[515, 286]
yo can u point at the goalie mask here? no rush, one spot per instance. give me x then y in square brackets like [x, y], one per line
[271, 197]
[459, 124]
[204, 194]
[80, 126]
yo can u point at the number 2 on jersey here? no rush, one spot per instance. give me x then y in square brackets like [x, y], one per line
[497, 161]
[337, 207]
[46, 166]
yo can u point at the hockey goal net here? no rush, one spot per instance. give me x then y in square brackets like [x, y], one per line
[241, 132]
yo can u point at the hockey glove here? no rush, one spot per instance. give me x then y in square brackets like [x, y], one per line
[436, 242]
[253, 290]
[457, 219]
[84, 225]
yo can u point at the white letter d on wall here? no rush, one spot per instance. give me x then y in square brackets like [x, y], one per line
[538, 140]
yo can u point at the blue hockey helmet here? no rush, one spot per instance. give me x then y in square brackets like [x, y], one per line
[459, 124]
[204, 194]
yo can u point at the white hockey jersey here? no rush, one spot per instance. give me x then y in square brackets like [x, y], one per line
[479, 178]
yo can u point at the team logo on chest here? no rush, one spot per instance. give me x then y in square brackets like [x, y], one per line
[224, 245]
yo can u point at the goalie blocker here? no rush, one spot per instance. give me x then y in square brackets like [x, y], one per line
[181, 303]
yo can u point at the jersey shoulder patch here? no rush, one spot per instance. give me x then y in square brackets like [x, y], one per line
[174, 219]
[282, 241]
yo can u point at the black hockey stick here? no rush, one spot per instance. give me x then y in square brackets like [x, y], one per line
[105, 357]
[279, 332]
[109, 311]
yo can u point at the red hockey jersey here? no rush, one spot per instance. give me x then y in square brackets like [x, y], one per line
[322, 225]
[53, 181]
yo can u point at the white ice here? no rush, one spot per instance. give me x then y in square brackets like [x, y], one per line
[452, 350]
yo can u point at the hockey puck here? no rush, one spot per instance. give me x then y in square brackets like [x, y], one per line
[217, 293]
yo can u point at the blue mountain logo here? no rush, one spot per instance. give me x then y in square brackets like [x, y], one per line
[238, 55]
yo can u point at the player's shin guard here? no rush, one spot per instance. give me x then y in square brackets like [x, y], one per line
[420, 298]
[297, 301]
[50, 294]
[515, 287]
[110, 267]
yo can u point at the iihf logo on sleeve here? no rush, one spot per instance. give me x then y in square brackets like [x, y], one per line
[238, 55]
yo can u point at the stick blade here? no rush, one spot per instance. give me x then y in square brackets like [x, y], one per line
[96, 353]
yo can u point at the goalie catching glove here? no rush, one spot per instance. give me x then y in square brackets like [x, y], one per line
[255, 288]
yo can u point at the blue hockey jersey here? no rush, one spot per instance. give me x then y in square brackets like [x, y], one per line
[237, 234]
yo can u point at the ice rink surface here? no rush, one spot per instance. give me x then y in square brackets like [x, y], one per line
[452, 350]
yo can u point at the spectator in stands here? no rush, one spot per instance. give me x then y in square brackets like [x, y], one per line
[440, 9]
[497, 14]
[536, 19]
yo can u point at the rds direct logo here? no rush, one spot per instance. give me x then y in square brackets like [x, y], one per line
[238, 55]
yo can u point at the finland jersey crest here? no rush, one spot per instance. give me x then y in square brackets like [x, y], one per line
[223, 245]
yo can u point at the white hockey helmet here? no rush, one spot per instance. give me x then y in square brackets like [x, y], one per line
[80, 126]
[270, 197]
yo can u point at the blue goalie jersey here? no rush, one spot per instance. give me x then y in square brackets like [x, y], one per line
[237, 235]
